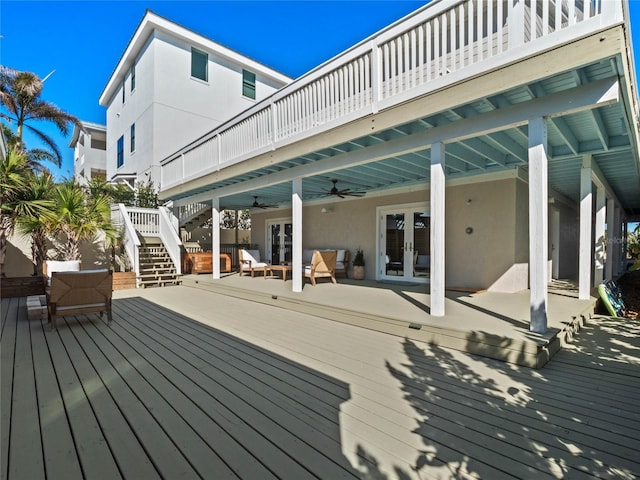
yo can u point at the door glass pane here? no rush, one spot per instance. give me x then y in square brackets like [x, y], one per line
[275, 244]
[394, 244]
[288, 239]
[421, 244]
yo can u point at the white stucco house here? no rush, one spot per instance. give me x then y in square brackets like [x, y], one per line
[171, 86]
[89, 152]
[493, 143]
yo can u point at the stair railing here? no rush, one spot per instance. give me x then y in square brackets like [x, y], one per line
[130, 238]
[169, 236]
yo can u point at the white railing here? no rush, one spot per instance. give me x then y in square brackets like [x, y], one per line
[410, 58]
[130, 239]
[146, 221]
[188, 212]
[169, 237]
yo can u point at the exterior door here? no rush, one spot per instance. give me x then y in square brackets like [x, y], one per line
[279, 237]
[404, 250]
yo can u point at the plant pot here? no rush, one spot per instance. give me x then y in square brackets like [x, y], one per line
[358, 272]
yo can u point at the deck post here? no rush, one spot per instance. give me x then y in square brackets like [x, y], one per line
[608, 266]
[586, 222]
[616, 241]
[296, 247]
[538, 224]
[437, 229]
[215, 237]
[601, 211]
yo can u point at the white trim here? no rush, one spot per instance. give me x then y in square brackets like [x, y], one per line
[608, 266]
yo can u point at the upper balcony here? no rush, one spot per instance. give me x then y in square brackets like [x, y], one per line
[442, 44]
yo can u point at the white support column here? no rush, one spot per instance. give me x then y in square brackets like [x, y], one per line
[609, 247]
[585, 240]
[215, 237]
[437, 229]
[601, 214]
[296, 253]
[538, 224]
[615, 241]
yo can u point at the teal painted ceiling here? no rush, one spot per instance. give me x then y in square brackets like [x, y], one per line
[602, 132]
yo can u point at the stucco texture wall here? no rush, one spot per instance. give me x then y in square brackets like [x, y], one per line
[487, 258]
[18, 260]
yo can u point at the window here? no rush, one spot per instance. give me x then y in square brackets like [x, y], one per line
[199, 62]
[133, 137]
[249, 84]
[121, 151]
[133, 77]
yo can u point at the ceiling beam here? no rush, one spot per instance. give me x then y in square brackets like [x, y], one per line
[602, 92]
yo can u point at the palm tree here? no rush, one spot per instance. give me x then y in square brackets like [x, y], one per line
[37, 222]
[79, 216]
[35, 156]
[14, 170]
[20, 96]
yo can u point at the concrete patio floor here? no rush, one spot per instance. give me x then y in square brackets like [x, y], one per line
[491, 324]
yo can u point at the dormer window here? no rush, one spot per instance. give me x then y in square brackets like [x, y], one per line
[249, 84]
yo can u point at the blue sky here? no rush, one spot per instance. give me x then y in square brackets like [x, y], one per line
[82, 41]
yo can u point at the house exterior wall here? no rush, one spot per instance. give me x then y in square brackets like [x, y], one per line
[494, 257]
[89, 153]
[18, 259]
[169, 107]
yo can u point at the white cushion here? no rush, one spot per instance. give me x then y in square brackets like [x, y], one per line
[340, 256]
[252, 256]
[259, 265]
[62, 266]
[339, 265]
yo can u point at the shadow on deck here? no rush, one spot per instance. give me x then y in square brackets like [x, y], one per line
[494, 325]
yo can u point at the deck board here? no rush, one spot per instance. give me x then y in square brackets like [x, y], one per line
[189, 384]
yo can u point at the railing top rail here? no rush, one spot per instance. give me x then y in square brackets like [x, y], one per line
[366, 46]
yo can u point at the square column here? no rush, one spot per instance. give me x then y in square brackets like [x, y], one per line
[616, 242]
[437, 229]
[609, 247]
[215, 237]
[296, 247]
[585, 241]
[538, 225]
[601, 216]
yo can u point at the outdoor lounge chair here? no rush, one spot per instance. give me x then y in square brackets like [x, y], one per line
[250, 262]
[323, 264]
[73, 293]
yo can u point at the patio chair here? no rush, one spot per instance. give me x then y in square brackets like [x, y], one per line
[250, 262]
[73, 293]
[323, 264]
[51, 266]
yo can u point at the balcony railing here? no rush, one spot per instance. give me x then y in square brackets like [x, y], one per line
[410, 58]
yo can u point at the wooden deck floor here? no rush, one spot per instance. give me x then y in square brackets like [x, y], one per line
[189, 384]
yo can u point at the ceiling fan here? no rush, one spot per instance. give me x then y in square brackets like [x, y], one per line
[345, 192]
[257, 204]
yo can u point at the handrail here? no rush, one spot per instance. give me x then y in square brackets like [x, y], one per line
[409, 58]
[170, 238]
[130, 238]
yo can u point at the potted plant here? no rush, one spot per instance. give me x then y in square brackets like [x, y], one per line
[358, 265]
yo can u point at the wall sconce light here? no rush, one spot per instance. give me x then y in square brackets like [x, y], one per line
[326, 210]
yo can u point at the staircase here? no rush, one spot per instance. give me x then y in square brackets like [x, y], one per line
[156, 267]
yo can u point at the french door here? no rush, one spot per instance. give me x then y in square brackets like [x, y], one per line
[404, 242]
[279, 237]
